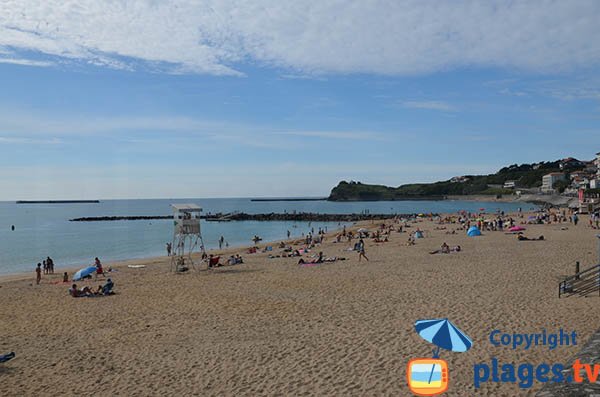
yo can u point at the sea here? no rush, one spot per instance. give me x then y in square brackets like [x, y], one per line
[42, 230]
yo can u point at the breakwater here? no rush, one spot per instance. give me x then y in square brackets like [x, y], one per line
[291, 199]
[240, 216]
[58, 201]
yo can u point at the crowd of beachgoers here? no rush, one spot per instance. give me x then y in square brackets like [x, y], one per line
[307, 248]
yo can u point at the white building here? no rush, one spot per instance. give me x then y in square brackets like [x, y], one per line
[548, 181]
[510, 184]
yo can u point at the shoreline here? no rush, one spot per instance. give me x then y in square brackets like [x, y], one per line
[120, 263]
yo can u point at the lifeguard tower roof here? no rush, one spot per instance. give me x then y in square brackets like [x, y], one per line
[186, 208]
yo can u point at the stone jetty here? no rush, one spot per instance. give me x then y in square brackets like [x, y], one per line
[241, 216]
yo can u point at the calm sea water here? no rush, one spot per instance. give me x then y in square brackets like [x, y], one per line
[44, 229]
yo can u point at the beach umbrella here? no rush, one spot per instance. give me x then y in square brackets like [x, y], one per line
[442, 333]
[86, 271]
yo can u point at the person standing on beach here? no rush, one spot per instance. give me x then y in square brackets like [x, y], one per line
[361, 250]
[221, 240]
[50, 264]
[168, 249]
[38, 273]
[288, 234]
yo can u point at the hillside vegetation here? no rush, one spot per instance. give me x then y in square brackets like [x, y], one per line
[525, 176]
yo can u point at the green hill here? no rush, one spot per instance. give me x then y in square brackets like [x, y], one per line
[524, 175]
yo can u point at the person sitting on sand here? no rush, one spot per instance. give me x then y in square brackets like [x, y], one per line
[213, 261]
[65, 277]
[411, 241]
[107, 288]
[445, 248]
[77, 293]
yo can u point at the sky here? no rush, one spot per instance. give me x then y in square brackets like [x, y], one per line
[161, 99]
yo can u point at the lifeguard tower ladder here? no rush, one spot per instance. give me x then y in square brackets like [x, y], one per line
[187, 236]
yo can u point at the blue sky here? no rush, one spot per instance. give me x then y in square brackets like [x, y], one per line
[221, 99]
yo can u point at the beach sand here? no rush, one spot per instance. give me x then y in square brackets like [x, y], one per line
[270, 327]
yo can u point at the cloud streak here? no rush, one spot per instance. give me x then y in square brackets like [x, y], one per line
[429, 105]
[311, 37]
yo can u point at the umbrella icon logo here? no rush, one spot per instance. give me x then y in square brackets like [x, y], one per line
[429, 376]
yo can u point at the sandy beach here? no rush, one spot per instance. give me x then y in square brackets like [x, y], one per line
[272, 327]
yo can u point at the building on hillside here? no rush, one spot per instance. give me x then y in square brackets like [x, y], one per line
[459, 179]
[578, 175]
[510, 184]
[548, 181]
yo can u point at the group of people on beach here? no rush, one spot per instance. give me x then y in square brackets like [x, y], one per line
[103, 290]
[47, 266]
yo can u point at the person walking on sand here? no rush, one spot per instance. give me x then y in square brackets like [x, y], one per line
[38, 273]
[361, 250]
[99, 269]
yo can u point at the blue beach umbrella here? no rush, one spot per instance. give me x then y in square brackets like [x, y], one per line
[86, 271]
[442, 333]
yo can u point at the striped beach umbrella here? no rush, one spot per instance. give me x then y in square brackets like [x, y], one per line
[442, 333]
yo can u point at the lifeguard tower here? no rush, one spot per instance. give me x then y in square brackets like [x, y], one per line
[187, 235]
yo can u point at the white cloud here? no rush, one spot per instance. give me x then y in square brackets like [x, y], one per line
[28, 141]
[350, 135]
[430, 105]
[26, 62]
[310, 36]
[19, 126]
